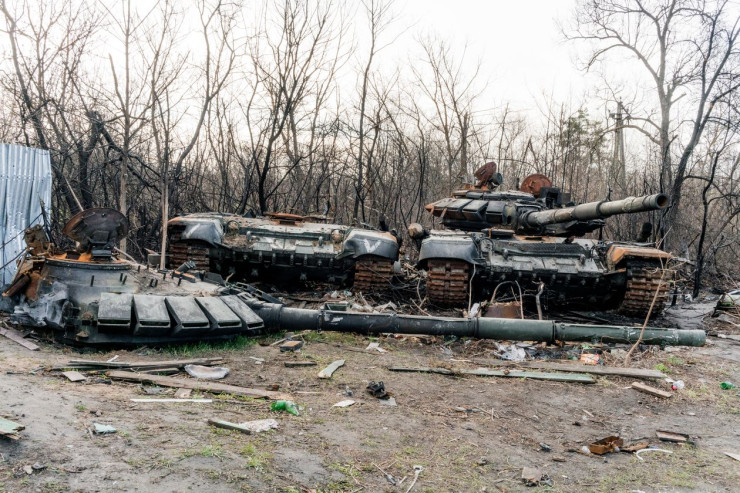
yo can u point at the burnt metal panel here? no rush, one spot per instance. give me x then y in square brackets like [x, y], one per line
[187, 314]
[249, 319]
[151, 313]
[114, 312]
[25, 181]
[222, 318]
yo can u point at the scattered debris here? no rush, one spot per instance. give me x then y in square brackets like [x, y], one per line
[727, 385]
[214, 387]
[28, 470]
[248, 427]
[207, 372]
[152, 389]
[595, 370]
[589, 359]
[206, 401]
[329, 370]
[291, 346]
[510, 352]
[606, 445]
[485, 372]
[74, 376]
[138, 365]
[734, 456]
[377, 389]
[390, 401]
[291, 364]
[183, 393]
[283, 405]
[417, 470]
[635, 447]
[482, 461]
[388, 477]
[545, 447]
[651, 450]
[533, 477]
[671, 436]
[257, 361]
[678, 385]
[651, 390]
[375, 346]
[16, 336]
[344, 403]
[10, 429]
[229, 426]
[103, 429]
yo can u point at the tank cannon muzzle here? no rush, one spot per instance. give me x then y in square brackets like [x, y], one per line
[595, 210]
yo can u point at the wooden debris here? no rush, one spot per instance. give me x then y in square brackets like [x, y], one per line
[329, 370]
[291, 346]
[74, 376]
[594, 370]
[229, 426]
[10, 429]
[142, 365]
[291, 364]
[651, 390]
[16, 336]
[206, 401]
[162, 371]
[213, 387]
[606, 445]
[484, 372]
[635, 447]
[671, 436]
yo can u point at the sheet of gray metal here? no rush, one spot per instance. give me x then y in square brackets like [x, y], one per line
[152, 317]
[250, 319]
[188, 315]
[114, 311]
[25, 181]
[221, 317]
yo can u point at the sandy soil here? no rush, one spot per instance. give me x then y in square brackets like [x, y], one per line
[170, 447]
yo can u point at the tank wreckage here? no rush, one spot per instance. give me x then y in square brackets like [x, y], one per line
[531, 237]
[92, 296]
[285, 248]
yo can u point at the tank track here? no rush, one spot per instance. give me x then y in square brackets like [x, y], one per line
[448, 282]
[181, 252]
[642, 282]
[372, 274]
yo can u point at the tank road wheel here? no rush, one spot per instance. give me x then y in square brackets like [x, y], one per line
[642, 282]
[448, 281]
[181, 252]
[372, 274]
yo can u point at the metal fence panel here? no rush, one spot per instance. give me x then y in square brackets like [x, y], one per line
[25, 181]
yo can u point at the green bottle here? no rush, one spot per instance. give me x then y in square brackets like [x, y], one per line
[288, 406]
[727, 385]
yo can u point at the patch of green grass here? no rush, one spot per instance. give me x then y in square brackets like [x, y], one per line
[80, 407]
[198, 348]
[662, 367]
[211, 451]
[256, 459]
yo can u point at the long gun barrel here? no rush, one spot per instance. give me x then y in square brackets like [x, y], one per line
[595, 210]
[276, 317]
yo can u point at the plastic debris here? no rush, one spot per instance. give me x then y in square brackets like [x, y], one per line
[207, 372]
[103, 429]
[375, 346]
[510, 352]
[287, 406]
[651, 450]
[727, 385]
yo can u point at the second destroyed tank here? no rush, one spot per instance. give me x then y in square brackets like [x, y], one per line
[284, 248]
[531, 237]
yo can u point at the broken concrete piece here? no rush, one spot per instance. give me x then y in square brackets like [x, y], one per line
[531, 476]
[74, 376]
[103, 429]
[391, 402]
[10, 429]
[183, 393]
[207, 372]
[651, 390]
[329, 370]
[344, 403]
[260, 425]
[734, 456]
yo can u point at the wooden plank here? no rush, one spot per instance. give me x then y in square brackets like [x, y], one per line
[671, 436]
[74, 376]
[291, 364]
[10, 429]
[145, 364]
[213, 387]
[592, 369]
[485, 372]
[329, 370]
[161, 371]
[16, 336]
[651, 390]
[206, 401]
[228, 426]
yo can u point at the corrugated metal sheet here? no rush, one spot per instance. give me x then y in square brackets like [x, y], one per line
[25, 181]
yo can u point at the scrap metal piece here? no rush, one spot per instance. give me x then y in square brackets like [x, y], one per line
[222, 318]
[188, 316]
[151, 313]
[606, 445]
[114, 313]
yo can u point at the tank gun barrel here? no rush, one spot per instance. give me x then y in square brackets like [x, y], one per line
[278, 317]
[596, 210]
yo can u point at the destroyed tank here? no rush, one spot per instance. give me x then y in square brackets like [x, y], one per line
[532, 237]
[91, 295]
[284, 248]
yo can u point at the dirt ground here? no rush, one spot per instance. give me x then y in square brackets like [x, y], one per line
[468, 433]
